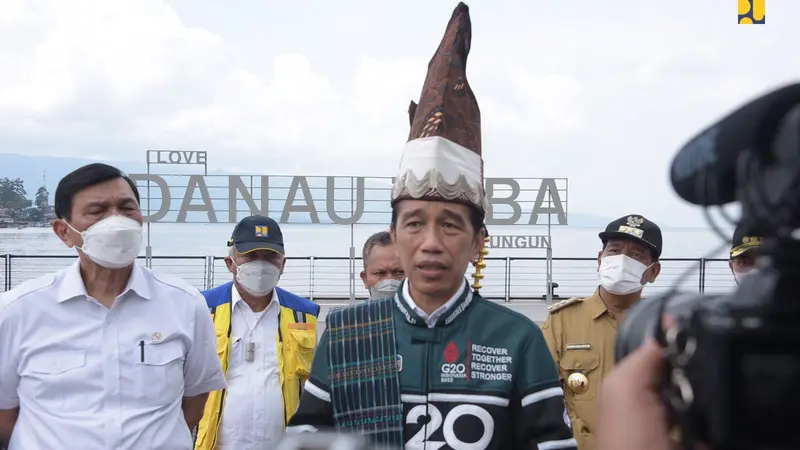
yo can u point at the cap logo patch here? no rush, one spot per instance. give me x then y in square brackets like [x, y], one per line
[634, 221]
[638, 232]
[751, 240]
[262, 231]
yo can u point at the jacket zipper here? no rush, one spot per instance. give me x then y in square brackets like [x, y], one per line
[427, 373]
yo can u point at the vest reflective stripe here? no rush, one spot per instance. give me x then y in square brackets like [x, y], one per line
[296, 341]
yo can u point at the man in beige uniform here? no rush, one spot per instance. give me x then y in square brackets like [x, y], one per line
[580, 332]
[746, 249]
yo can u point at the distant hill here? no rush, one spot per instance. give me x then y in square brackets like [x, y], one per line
[32, 168]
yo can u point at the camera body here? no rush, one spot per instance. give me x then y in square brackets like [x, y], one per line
[733, 363]
[732, 374]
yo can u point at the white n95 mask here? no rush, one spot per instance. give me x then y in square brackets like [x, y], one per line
[384, 289]
[258, 278]
[113, 242]
[621, 274]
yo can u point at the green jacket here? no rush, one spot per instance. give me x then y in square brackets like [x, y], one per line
[482, 376]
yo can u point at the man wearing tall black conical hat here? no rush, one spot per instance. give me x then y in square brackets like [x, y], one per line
[437, 366]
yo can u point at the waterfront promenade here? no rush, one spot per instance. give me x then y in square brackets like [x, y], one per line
[506, 279]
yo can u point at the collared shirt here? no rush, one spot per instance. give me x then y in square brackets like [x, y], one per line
[253, 414]
[431, 319]
[90, 377]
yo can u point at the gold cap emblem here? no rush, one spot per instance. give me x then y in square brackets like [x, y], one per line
[578, 383]
[635, 221]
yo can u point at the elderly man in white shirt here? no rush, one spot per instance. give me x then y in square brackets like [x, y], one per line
[104, 354]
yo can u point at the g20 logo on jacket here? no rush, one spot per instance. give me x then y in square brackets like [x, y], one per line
[453, 367]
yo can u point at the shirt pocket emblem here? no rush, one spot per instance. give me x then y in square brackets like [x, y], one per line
[581, 374]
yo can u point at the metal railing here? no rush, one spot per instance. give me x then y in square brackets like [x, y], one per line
[328, 278]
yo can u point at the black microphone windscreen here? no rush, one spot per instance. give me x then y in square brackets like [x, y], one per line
[704, 170]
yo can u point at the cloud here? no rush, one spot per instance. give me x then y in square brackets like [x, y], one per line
[74, 70]
[546, 104]
[605, 104]
[131, 74]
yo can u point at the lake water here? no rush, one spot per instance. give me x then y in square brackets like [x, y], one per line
[512, 277]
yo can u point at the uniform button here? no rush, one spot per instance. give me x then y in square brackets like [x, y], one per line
[577, 364]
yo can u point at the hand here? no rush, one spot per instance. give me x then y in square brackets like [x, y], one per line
[631, 414]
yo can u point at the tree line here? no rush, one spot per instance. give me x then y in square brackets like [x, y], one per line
[15, 203]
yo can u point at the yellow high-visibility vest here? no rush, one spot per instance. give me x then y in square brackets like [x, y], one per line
[297, 339]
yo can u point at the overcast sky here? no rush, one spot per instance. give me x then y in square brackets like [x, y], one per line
[599, 94]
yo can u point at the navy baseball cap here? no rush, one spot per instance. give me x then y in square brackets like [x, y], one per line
[637, 228]
[257, 233]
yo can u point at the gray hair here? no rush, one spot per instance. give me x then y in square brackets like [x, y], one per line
[381, 238]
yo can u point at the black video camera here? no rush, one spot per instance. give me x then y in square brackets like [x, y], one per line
[732, 372]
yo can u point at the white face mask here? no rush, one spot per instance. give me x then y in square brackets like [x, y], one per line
[258, 278]
[113, 243]
[742, 275]
[384, 289]
[621, 274]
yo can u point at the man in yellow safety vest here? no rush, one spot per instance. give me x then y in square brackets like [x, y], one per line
[265, 340]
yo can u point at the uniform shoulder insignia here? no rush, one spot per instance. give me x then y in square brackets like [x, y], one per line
[563, 304]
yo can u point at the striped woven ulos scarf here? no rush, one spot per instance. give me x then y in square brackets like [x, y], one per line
[364, 372]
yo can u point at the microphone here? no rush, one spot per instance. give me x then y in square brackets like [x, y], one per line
[704, 170]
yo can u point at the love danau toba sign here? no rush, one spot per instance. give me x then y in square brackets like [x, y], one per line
[345, 200]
